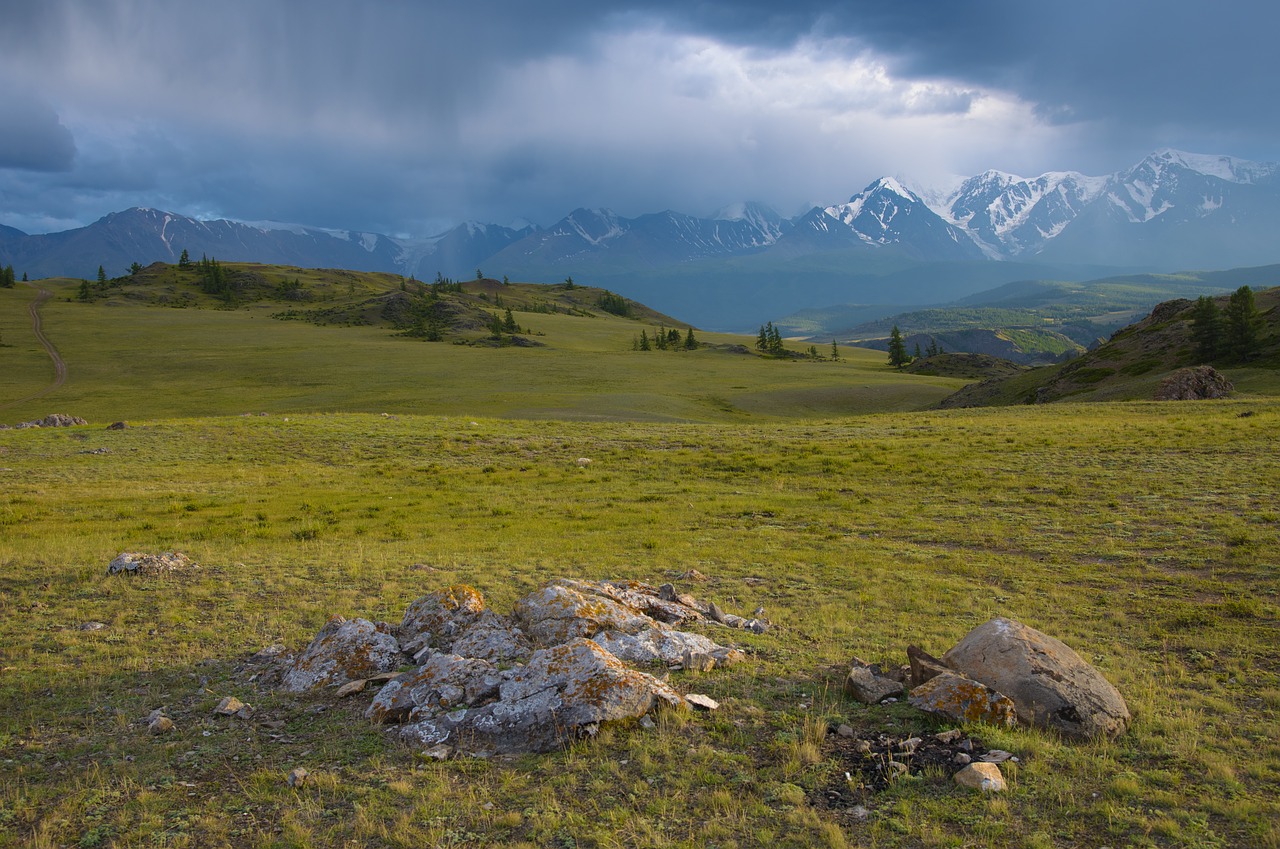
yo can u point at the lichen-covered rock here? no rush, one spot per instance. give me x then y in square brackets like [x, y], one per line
[493, 638]
[566, 610]
[964, 700]
[343, 651]
[54, 420]
[1051, 685]
[444, 682]
[436, 620]
[655, 645]
[564, 692]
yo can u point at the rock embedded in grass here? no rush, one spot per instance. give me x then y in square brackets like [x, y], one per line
[982, 776]
[867, 684]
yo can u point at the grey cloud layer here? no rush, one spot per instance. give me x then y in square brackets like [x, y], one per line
[402, 116]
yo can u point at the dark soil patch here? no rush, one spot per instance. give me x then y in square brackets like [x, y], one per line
[874, 763]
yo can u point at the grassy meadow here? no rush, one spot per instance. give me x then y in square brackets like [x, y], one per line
[1144, 535]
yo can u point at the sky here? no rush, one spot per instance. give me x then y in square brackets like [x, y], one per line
[405, 118]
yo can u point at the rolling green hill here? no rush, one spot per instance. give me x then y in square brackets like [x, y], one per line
[157, 344]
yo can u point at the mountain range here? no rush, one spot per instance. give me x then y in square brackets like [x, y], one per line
[1171, 211]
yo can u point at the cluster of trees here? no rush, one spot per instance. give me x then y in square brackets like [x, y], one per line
[616, 304]
[665, 339]
[1232, 334]
[898, 356]
[505, 324]
[769, 340]
[214, 279]
[6, 277]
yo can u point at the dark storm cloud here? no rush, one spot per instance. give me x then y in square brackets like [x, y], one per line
[400, 116]
[31, 136]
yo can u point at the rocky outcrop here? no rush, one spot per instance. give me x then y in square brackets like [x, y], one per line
[1050, 685]
[138, 563]
[1194, 384]
[550, 672]
[54, 420]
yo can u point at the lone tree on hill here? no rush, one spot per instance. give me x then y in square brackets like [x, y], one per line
[689, 342]
[898, 356]
[184, 261]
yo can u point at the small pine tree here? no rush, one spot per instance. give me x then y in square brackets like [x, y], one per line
[1207, 328]
[509, 323]
[568, 283]
[644, 341]
[184, 261]
[102, 276]
[917, 354]
[932, 350]
[897, 349]
[835, 351]
[135, 268]
[660, 338]
[6, 277]
[689, 342]
[24, 277]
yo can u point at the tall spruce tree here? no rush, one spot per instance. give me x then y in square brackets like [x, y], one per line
[1244, 324]
[898, 356]
[1207, 328]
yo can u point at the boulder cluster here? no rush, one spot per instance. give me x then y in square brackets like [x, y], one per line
[558, 666]
[138, 563]
[1002, 673]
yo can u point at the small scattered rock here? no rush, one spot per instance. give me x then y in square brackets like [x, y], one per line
[583, 462]
[865, 683]
[998, 756]
[133, 562]
[647, 722]
[439, 752]
[846, 731]
[981, 776]
[351, 688]
[962, 758]
[91, 626]
[702, 702]
[160, 725]
[297, 777]
[117, 426]
[229, 706]
[692, 576]
[696, 661]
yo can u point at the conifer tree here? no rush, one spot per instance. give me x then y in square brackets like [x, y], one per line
[102, 276]
[644, 341]
[835, 351]
[184, 261]
[1207, 328]
[1244, 324]
[689, 342]
[897, 350]
[6, 277]
[509, 323]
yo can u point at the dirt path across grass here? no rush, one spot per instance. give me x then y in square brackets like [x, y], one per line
[59, 364]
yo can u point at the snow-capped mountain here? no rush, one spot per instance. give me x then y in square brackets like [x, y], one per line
[887, 213]
[1171, 211]
[1067, 215]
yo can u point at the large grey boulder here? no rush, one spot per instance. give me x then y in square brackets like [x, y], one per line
[1050, 685]
[562, 693]
[493, 638]
[344, 650]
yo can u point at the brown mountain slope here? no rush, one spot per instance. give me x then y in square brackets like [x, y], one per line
[1133, 362]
